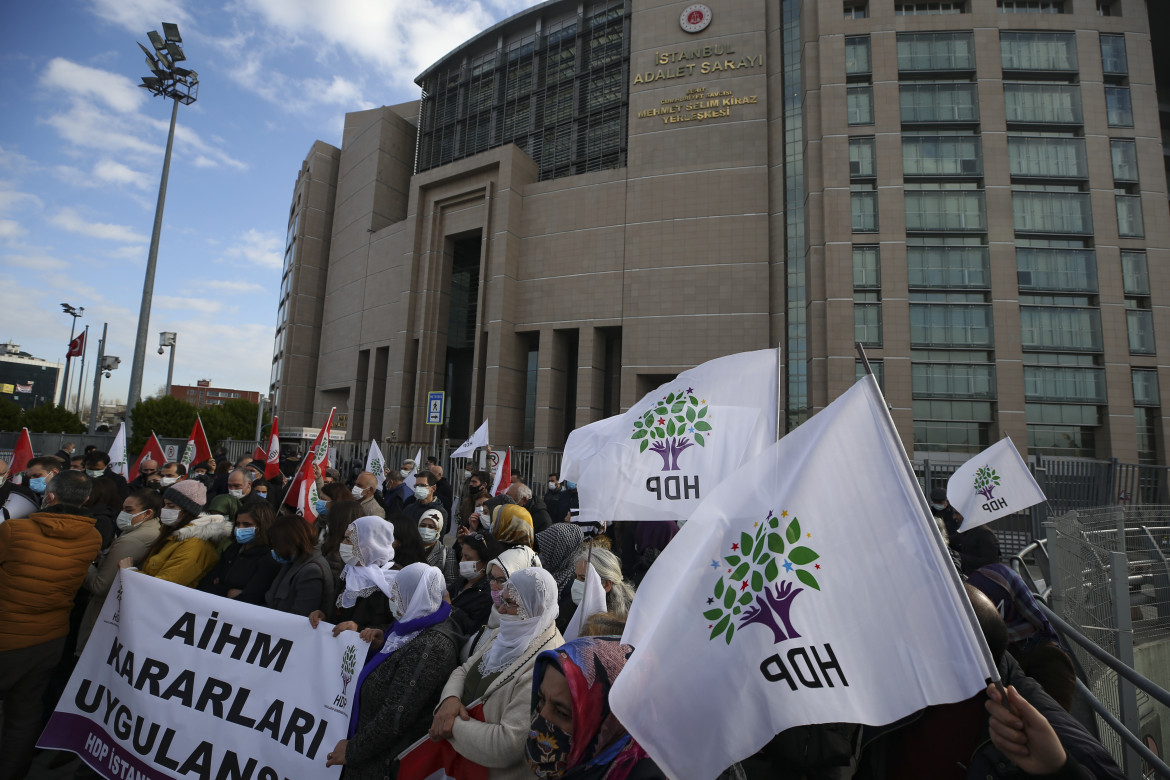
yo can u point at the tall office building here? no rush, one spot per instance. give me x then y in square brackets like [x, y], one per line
[591, 197]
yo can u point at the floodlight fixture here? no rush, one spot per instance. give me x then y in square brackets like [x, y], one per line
[156, 40]
[151, 83]
[171, 32]
[165, 60]
[175, 52]
[151, 60]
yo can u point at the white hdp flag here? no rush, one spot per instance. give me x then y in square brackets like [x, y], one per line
[408, 480]
[812, 588]
[475, 441]
[118, 452]
[994, 483]
[671, 449]
[376, 464]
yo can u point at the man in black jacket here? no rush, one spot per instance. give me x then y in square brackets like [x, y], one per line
[977, 547]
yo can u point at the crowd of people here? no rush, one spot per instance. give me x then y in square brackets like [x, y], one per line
[469, 604]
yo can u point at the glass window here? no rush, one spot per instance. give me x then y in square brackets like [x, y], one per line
[861, 157]
[1129, 216]
[878, 369]
[1030, 6]
[1048, 158]
[1062, 440]
[1141, 331]
[942, 155]
[1075, 384]
[945, 210]
[1052, 212]
[857, 55]
[867, 269]
[1124, 153]
[949, 102]
[856, 10]
[953, 380]
[1038, 51]
[1145, 387]
[859, 102]
[1042, 103]
[864, 206]
[948, 267]
[1043, 269]
[1113, 59]
[931, 8]
[935, 51]
[1108, 8]
[1065, 328]
[941, 325]
[938, 409]
[867, 322]
[1134, 273]
[1118, 107]
[1146, 423]
[950, 436]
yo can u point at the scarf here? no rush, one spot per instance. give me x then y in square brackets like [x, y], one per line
[535, 590]
[373, 539]
[558, 544]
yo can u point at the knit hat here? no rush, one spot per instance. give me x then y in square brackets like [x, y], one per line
[189, 495]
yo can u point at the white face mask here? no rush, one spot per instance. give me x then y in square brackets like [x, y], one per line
[504, 618]
[126, 520]
[578, 591]
[421, 493]
[262, 495]
[169, 516]
[552, 486]
[468, 570]
[236, 493]
[94, 474]
[939, 507]
[168, 481]
[428, 535]
[348, 556]
[358, 493]
[467, 475]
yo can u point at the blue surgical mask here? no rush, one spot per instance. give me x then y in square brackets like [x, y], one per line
[37, 484]
[245, 535]
[570, 485]
[319, 507]
[278, 559]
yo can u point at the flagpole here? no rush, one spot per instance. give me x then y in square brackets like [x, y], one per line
[951, 570]
[779, 394]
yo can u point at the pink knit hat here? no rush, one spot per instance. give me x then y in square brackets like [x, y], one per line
[189, 495]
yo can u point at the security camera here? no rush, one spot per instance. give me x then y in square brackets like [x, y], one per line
[161, 351]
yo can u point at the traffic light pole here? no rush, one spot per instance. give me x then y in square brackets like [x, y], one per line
[97, 379]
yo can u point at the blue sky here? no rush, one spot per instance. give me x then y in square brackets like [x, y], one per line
[81, 150]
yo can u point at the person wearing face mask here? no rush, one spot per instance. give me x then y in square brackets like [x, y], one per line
[172, 473]
[138, 527]
[572, 733]
[188, 545]
[44, 559]
[304, 583]
[394, 492]
[424, 499]
[439, 555]
[497, 572]
[331, 528]
[146, 469]
[471, 599]
[474, 491]
[39, 471]
[246, 568]
[500, 674]
[239, 483]
[363, 492]
[397, 690]
[97, 466]
[558, 545]
[368, 552]
[977, 547]
[619, 594]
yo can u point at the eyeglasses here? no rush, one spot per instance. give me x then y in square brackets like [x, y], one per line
[501, 581]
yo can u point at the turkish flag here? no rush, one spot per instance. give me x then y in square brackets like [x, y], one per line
[272, 459]
[21, 456]
[302, 493]
[77, 346]
[427, 760]
[198, 450]
[152, 451]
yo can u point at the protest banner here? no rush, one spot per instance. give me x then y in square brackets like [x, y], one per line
[176, 683]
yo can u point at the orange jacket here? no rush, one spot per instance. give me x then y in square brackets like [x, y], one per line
[43, 561]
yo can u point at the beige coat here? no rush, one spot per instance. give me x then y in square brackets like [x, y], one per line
[498, 743]
[134, 543]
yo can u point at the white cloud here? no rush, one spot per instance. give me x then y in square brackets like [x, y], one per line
[12, 200]
[258, 248]
[339, 92]
[10, 229]
[113, 172]
[183, 303]
[36, 260]
[68, 219]
[15, 162]
[233, 287]
[138, 16]
[86, 126]
[115, 90]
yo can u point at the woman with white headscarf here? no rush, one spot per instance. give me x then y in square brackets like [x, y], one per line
[400, 684]
[500, 674]
[367, 550]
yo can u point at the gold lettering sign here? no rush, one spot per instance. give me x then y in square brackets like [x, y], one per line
[697, 105]
[714, 59]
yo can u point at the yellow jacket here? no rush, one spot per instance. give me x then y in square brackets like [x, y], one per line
[190, 552]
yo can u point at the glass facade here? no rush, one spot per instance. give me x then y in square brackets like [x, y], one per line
[1145, 387]
[795, 322]
[861, 157]
[867, 268]
[859, 103]
[941, 325]
[1113, 59]
[1118, 107]
[935, 51]
[942, 155]
[1028, 103]
[864, 208]
[953, 380]
[1135, 276]
[857, 60]
[1140, 323]
[1062, 328]
[939, 103]
[1052, 212]
[945, 211]
[559, 95]
[1047, 158]
[941, 267]
[1075, 384]
[1129, 216]
[1038, 51]
[1124, 154]
[1042, 269]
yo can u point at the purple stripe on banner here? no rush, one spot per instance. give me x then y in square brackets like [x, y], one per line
[93, 744]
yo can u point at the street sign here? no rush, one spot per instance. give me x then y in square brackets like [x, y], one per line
[171, 452]
[494, 459]
[435, 400]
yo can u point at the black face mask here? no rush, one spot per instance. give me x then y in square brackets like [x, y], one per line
[475, 488]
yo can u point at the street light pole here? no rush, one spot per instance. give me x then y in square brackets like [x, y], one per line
[168, 339]
[97, 380]
[181, 86]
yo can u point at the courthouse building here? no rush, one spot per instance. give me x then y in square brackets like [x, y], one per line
[590, 197]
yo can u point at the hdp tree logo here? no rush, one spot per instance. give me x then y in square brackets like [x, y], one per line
[348, 665]
[986, 480]
[745, 594]
[669, 426]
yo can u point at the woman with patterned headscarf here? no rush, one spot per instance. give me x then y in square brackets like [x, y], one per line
[558, 545]
[573, 733]
[399, 686]
[500, 674]
[511, 525]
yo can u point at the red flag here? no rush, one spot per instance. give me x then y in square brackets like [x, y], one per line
[427, 760]
[197, 449]
[272, 466]
[503, 474]
[152, 451]
[320, 449]
[258, 455]
[21, 456]
[302, 494]
[77, 346]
